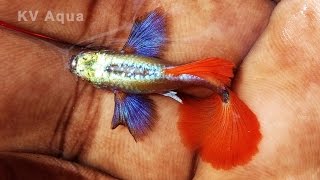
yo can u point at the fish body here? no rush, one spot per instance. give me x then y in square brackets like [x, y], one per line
[220, 127]
[130, 73]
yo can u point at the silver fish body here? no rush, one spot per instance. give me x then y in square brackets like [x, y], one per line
[128, 72]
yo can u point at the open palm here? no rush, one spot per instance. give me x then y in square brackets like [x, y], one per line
[55, 126]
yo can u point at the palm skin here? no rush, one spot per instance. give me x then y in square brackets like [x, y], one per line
[53, 125]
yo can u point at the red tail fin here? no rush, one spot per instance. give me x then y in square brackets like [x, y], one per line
[211, 69]
[225, 133]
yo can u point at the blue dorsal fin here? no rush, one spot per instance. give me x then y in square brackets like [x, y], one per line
[147, 36]
[137, 112]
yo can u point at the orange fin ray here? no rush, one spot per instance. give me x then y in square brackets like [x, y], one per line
[225, 133]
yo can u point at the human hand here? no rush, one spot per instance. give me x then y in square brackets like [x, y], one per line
[53, 124]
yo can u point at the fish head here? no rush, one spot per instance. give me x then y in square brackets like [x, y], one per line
[84, 65]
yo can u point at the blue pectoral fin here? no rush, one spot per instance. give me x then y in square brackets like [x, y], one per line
[137, 112]
[147, 36]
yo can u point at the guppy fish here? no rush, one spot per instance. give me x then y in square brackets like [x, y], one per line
[221, 127]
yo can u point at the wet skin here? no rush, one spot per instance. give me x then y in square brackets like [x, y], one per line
[53, 125]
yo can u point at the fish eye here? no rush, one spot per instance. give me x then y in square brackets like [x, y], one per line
[73, 63]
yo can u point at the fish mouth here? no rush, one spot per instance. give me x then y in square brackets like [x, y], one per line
[73, 61]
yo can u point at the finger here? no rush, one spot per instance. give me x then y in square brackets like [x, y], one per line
[280, 82]
[33, 166]
[196, 29]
